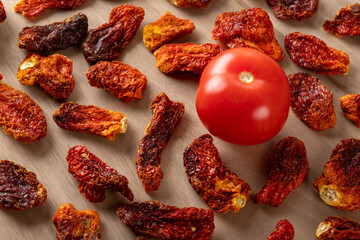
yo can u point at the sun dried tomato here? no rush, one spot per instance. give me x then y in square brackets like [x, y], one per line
[350, 106]
[190, 57]
[165, 30]
[20, 116]
[220, 189]
[2, 12]
[53, 73]
[121, 80]
[346, 21]
[288, 167]
[90, 119]
[151, 219]
[284, 230]
[294, 9]
[248, 28]
[311, 101]
[338, 228]
[312, 53]
[339, 184]
[73, 224]
[32, 8]
[95, 176]
[190, 3]
[107, 42]
[166, 118]
[20, 190]
[55, 36]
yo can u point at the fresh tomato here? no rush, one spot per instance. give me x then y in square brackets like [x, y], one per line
[243, 96]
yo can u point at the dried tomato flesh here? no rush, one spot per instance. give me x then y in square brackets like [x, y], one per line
[288, 167]
[19, 188]
[166, 118]
[20, 116]
[284, 230]
[220, 189]
[76, 225]
[95, 176]
[90, 119]
[53, 73]
[165, 30]
[189, 57]
[346, 21]
[350, 106]
[55, 36]
[151, 219]
[294, 9]
[248, 28]
[311, 101]
[121, 80]
[2, 12]
[312, 53]
[107, 42]
[339, 184]
[190, 3]
[339, 228]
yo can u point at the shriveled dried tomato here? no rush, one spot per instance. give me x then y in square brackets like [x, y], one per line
[338, 228]
[167, 116]
[107, 42]
[339, 184]
[220, 189]
[189, 57]
[248, 28]
[346, 21]
[121, 80]
[151, 219]
[73, 224]
[55, 36]
[53, 73]
[2, 12]
[311, 101]
[90, 119]
[190, 3]
[294, 9]
[165, 30]
[20, 116]
[284, 230]
[95, 176]
[288, 167]
[20, 190]
[350, 106]
[312, 53]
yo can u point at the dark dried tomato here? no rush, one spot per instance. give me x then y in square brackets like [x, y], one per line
[55, 36]
[95, 176]
[190, 3]
[248, 28]
[166, 118]
[338, 228]
[121, 80]
[339, 184]
[107, 42]
[311, 101]
[294, 9]
[220, 189]
[52, 73]
[346, 21]
[73, 224]
[2, 12]
[150, 219]
[284, 230]
[190, 57]
[350, 106]
[288, 167]
[312, 53]
[90, 119]
[20, 190]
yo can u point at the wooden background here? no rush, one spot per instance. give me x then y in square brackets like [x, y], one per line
[303, 208]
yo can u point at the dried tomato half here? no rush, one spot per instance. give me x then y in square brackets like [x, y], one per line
[190, 3]
[294, 9]
[284, 230]
[166, 118]
[339, 184]
[2, 12]
[338, 228]
[288, 167]
[20, 190]
[350, 106]
[151, 219]
[312, 53]
[248, 28]
[220, 189]
[311, 101]
[95, 176]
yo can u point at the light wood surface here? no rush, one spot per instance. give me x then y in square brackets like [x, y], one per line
[47, 158]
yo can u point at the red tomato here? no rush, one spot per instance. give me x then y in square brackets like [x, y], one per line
[243, 96]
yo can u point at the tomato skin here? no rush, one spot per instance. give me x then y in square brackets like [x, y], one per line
[238, 112]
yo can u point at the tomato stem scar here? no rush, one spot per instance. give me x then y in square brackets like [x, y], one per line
[246, 77]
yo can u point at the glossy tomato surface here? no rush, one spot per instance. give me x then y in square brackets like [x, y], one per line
[243, 97]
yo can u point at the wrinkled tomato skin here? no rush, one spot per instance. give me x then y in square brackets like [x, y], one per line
[238, 112]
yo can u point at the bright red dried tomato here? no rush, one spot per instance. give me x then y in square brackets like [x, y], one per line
[190, 3]
[338, 228]
[2, 12]
[350, 106]
[294, 9]
[284, 230]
